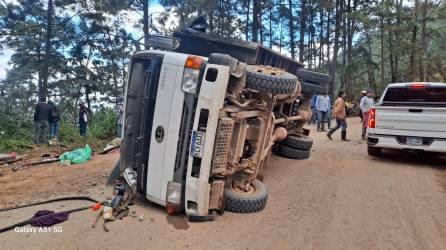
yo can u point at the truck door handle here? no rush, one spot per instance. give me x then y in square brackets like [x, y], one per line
[415, 110]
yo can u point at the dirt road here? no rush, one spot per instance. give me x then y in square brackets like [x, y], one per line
[339, 199]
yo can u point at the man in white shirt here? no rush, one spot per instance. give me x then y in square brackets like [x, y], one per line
[366, 104]
[323, 106]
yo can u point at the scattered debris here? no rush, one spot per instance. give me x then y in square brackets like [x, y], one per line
[44, 161]
[141, 217]
[76, 156]
[133, 214]
[11, 158]
[114, 144]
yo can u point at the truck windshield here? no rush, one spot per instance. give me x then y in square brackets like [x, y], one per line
[428, 95]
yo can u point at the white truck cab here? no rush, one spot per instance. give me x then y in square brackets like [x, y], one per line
[409, 116]
[182, 95]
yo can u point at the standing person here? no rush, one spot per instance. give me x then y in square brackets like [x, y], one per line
[322, 107]
[313, 110]
[84, 116]
[363, 94]
[329, 114]
[41, 116]
[340, 115]
[120, 119]
[365, 106]
[53, 120]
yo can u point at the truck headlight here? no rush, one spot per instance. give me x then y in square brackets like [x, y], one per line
[173, 194]
[190, 80]
[191, 73]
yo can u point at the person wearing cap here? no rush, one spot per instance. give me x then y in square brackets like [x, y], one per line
[366, 104]
[363, 94]
[41, 117]
[84, 117]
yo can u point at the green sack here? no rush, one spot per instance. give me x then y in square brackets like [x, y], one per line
[77, 156]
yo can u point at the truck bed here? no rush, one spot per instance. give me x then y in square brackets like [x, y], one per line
[204, 44]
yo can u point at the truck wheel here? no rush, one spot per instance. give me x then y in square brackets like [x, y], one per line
[303, 142]
[293, 153]
[313, 77]
[270, 80]
[312, 88]
[373, 151]
[241, 202]
[115, 173]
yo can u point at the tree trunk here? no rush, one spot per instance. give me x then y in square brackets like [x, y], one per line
[382, 40]
[327, 39]
[372, 82]
[303, 17]
[247, 20]
[413, 51]
[291, 29]
[145, 21]
[43, 88]
[270, 26]
[256, 9]
[334, 61]
[422, 58]
[399, 4]
[321, 37]
[391, 56]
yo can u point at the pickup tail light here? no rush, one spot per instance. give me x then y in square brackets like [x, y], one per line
[372, 118]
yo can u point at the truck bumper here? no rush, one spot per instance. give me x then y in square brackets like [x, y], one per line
[393, 142]
[211, 98]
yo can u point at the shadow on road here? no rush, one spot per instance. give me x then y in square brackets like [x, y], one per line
[420, 159]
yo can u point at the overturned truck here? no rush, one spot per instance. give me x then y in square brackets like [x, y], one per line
[201, 121]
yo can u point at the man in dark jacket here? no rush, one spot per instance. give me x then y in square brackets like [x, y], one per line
[53, 119]
[41, 116]
[84, 116]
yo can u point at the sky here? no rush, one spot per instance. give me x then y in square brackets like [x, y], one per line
[131, 20]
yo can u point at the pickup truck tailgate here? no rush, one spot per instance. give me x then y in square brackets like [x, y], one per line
[411, 120]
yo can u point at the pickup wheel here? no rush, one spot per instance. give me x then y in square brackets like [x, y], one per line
[303, 142]
[373, 151]
[238, 201]
[270, 80]
[293, 153]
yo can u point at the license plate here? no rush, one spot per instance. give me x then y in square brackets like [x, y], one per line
[416, 141]
[197, 146]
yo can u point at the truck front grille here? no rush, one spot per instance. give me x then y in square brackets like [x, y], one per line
[187, 122]
[221, 148]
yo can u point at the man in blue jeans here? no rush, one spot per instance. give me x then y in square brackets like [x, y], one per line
[323, 106]
[84, 116]
[313, 119]
[53, 120]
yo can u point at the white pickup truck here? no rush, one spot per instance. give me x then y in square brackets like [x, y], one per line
[409, 116]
